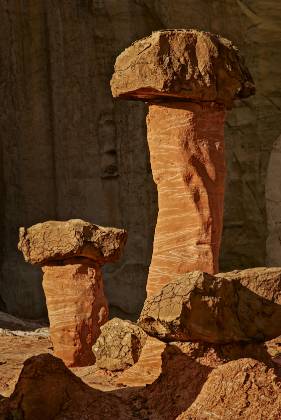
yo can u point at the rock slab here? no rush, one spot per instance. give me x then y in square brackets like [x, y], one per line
[199, 306]
[56, 240]
[182, 64]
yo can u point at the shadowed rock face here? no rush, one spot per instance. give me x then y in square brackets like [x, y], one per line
[54, 240]
[213, 309]
[182, 65]
[240, 389]
[47, 389]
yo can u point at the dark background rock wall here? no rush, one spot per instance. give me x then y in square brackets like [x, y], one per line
[68, 150]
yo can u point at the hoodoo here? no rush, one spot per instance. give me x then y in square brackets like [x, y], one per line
[71, 254]
[189, 79]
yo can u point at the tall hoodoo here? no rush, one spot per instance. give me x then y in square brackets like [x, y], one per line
[189, 79]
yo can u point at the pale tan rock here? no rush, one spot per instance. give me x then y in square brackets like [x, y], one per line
[199, 306]
[241, 389]
[182, 64]
[119, 345]
[55, 240]
[149, 366]
[264, 281]
[186, 146]
[77, 309]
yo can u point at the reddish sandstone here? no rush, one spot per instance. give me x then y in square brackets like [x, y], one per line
[71, 254]
[186, 143]
[189, 78]
[77, 309]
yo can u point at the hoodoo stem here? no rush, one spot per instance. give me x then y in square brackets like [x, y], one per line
[186, 143]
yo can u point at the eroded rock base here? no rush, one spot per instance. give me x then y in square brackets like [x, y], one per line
[77, 308]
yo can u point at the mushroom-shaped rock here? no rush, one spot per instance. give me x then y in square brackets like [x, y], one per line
[189, 78]
[182, 65]
[54, 240]
[119, 345]
[71, 254]
[199, 306]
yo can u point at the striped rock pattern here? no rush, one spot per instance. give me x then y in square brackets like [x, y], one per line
[77, 308]
[149, 366]
[186, 143]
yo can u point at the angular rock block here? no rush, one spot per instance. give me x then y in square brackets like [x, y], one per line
[77, 309]
[119, 345]
[199, 306]
[182, 64]
[56, 241]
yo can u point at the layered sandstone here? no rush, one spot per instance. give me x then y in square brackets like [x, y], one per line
[186, 143]
[72, 253]
[189, 78]
[77, 309]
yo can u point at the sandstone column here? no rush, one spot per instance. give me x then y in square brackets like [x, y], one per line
[71, 255]
[189, 79]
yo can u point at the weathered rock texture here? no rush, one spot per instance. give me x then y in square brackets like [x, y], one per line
[68, 150]
[241, 389]
[263, 281]
[55, 240]
[186, 146]
[77, 309]
[119, 345]
[182, 64]
[72, 254]
[186, 140]
[199, 306]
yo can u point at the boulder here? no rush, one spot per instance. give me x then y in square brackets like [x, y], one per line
[119, 345]
[199, 306]
[182, 64]
[54, 240]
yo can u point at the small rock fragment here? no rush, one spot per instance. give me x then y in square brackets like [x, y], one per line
[119, 345]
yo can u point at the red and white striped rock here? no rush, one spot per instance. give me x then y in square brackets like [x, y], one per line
[186, 143]
[71, 254]
[77, 309]
[189, 78]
